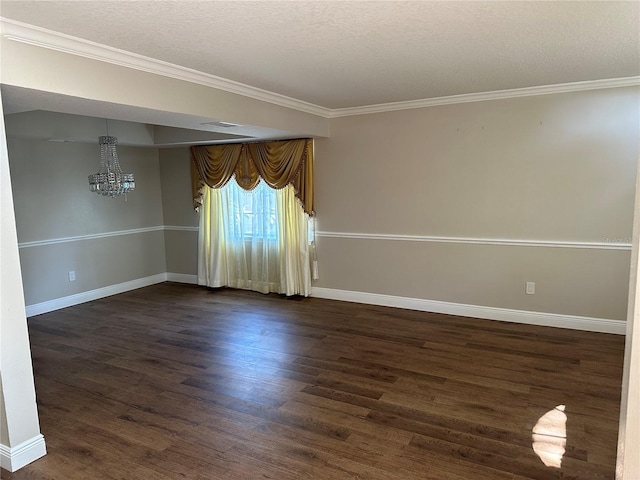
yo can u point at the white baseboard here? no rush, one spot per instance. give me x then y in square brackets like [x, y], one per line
[602, 325]
[78, 298]
[13, 458]
[491, 313]
[182, 278]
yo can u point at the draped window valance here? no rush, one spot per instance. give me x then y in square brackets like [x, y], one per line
[277, 163]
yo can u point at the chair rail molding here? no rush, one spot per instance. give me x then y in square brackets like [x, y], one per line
[605, 244]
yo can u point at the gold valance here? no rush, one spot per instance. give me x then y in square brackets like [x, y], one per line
[277, 163]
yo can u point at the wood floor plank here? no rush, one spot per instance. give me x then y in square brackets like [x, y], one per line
[182, 382]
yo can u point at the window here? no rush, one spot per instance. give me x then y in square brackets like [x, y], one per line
[254, 213]
[260, 239]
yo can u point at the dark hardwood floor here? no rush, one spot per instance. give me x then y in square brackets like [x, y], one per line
[181, 382]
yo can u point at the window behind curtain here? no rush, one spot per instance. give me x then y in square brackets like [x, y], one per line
[255, 214]
[257, 240]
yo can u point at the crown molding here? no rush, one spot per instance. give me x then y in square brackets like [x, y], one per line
[60, 42]
[484, 96]
[49, 39]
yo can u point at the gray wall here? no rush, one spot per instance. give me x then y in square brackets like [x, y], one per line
[557, 168]
[553, 168]
[181, 221]
[53, 207]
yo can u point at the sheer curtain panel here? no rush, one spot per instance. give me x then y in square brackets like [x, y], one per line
[254, 230]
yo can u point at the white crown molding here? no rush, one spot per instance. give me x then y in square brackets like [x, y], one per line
[14, 458]
[41, 37]
[480, 241]
[485, 96]
[476, 311]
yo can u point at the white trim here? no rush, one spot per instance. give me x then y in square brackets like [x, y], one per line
[60, 42]
[178, 228]
[491, 313]
[82, 297]
[14, 458]
[485, 96]
[435, 306]
[182, 278]
[41, 37]
[93, 236]
[479, 241]
[359, 236]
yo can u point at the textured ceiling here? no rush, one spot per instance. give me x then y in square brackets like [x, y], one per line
[342, 54]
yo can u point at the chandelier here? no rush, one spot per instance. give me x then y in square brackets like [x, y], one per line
[110, 181]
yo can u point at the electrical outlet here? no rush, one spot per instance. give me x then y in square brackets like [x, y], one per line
[530, 289]
[72, 275]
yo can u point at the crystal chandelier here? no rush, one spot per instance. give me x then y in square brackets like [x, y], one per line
[110, 181]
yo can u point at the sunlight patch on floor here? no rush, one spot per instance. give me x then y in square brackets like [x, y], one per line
[549, 437]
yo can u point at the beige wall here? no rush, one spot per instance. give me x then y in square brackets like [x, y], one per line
[64, 206]
[557, 168]
[60, 206]
[97, 263]
[579, 282]
[175, 175]
[181, 221]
